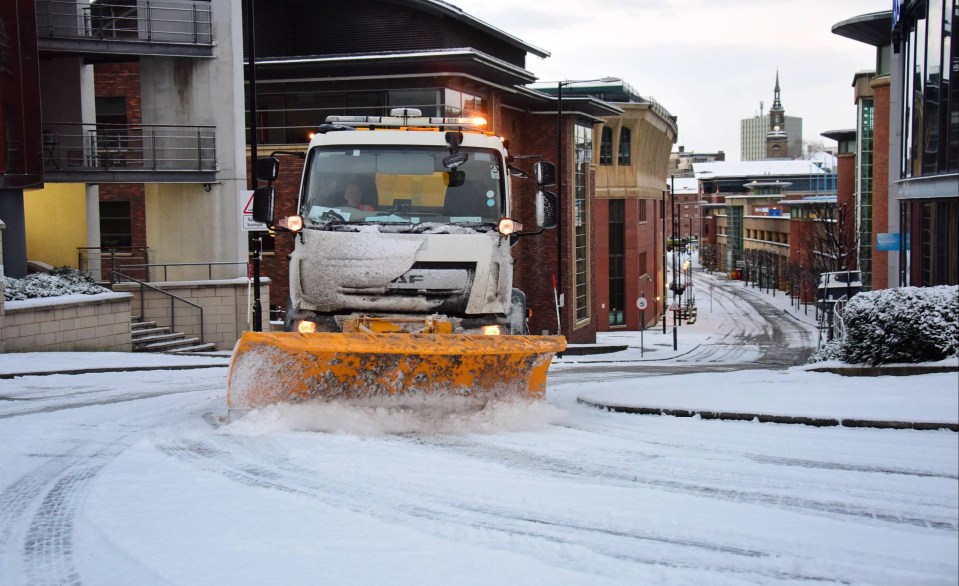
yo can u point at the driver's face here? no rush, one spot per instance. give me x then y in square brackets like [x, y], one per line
[353, 195]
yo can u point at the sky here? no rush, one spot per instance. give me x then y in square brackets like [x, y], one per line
[709, 62]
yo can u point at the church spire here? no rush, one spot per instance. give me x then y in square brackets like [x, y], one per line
[776, 138]
[777, 105]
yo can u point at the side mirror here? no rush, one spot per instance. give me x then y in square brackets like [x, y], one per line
[516, 172]
[547, 209]
[545, 173]
[263, 204]
[266, 169]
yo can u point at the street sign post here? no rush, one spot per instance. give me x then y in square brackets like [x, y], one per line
[641, 303]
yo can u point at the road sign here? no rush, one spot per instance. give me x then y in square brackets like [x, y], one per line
[246, 214]
[641, 303]
[711, 288]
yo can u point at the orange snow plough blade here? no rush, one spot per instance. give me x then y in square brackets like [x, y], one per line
[270, 368]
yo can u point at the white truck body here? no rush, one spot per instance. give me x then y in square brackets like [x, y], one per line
[419, 245]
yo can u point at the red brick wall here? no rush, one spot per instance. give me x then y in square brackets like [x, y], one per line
[846, 199]
[535, 256]
[120, 80]
[123, 80]
[880, 183]
[640, 237]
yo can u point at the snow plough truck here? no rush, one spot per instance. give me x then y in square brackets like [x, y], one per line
[401, 277]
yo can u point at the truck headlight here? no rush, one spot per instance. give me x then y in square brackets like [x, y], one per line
[508, 226]
[291, 223]
[493, 330]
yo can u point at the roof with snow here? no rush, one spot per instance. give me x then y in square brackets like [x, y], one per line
[684, 185]
[778, 167]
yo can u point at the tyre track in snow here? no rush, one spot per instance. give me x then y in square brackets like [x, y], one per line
[67, 401]
[442, 509]
[38, 509]
[569, 469]
[630, 433]
[50, 497]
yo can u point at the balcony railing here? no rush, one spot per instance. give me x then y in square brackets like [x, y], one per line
[144, 21]
[126, 147]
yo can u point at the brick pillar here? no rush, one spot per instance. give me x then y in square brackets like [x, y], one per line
[880, 181]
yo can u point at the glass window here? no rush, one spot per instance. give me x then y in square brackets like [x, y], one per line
[403, 187]
[606, 146]
[864, 184]
[426, 100]
[584, 149]
[116, 227]
[624, 142]
[930, 112]
[617, 262]
[459, 103]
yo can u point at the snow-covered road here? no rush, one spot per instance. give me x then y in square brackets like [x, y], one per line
[126, 478]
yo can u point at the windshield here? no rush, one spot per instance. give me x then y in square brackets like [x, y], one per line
[401, 186]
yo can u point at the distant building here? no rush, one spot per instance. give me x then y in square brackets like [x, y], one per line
[747, 210]
[681, 161]
[773, 135]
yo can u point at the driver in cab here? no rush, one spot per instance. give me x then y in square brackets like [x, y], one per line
[353, 196]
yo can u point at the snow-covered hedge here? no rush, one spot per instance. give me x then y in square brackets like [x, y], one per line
[60, 281]
[903, 325]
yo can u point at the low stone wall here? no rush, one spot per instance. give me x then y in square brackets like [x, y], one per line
[95, 323]
[225, 305]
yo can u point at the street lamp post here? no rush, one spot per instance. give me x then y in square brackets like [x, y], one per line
[560, 151]
[662, 213]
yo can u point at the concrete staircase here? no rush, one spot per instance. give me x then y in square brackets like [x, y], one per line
[148, 337]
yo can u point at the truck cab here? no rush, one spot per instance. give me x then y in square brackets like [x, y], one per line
[405, 220]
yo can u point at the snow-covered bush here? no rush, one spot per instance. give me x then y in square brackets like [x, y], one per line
[60, 281]
[906, 324]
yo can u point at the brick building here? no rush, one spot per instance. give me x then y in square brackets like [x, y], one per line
[454, 64]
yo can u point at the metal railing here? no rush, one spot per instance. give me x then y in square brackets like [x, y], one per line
[102, 262]
[126, 20]
[150, 268]
[117, 276]
[117, 147]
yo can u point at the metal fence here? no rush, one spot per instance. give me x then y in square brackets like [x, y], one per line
[102, 262]
[126, 20]
[153, 147]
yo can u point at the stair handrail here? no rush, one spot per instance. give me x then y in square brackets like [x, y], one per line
[173, 300]
[165, 265]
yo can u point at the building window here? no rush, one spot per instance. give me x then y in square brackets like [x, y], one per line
[864, 189]
[643, 204]
[116, 226]
[606, 146]
[624, 146]
[289, 113]
[930, 98]
[111, 136]
[939, 230]
[584, 149]
[617, 262]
